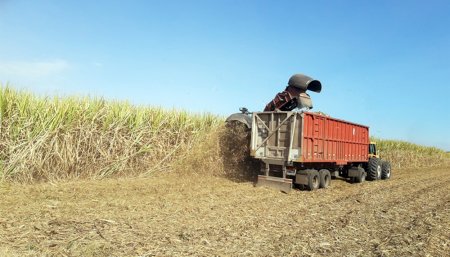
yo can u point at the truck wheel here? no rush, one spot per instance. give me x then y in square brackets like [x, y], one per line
[313, 180]
[374, 169]
[385, 170]
[325, 178]
[361, 176]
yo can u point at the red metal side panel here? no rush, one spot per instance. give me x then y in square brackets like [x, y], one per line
[325, 139]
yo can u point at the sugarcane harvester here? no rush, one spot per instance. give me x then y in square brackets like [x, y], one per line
[301, 148]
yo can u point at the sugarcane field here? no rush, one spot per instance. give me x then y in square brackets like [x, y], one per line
[224, 128]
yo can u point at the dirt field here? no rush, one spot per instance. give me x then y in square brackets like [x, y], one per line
[408, 215]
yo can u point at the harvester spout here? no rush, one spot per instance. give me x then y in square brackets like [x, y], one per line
[295, 96]
[304, 83]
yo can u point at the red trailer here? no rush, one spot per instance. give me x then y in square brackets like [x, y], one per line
[306, 149]
[325, 139]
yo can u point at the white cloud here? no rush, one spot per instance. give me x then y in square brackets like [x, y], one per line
[33, 69]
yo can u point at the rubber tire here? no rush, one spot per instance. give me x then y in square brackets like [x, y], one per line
[362, 176]
[313, 180]
[325, 178]
[374, 169]
[386, 170]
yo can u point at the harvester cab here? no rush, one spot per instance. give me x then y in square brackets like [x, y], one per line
[373, 150]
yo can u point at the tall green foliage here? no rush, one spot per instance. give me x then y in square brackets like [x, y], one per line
[57, 138]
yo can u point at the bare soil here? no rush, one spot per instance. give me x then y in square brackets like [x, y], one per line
[178, 215]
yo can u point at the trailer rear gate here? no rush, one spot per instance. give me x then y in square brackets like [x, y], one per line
[304, 137]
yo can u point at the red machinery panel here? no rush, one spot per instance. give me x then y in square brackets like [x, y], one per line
[325, 139]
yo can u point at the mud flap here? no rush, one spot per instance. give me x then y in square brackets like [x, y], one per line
[301, 178]
[354, 172]
[283, 184]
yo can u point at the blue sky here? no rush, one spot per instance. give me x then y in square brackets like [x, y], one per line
[385, 64]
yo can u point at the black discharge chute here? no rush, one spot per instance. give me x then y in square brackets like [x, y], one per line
[305, 83]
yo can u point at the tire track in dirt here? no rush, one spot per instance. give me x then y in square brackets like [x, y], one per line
[353, 223]
[411, 215]
[406, 215]
[379, 187]
[428, 184]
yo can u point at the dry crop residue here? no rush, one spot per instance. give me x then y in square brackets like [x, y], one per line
[408, 215]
